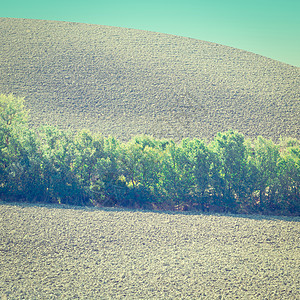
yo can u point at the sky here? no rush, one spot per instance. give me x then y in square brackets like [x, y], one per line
[267, 27]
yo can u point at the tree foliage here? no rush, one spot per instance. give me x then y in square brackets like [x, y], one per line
[229, 174]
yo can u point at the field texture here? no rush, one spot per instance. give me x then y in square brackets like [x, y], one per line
[125, 82]
[51, 252]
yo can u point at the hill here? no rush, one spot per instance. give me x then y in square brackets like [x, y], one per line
[124, 82]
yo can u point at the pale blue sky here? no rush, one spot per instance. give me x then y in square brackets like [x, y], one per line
[266, 27]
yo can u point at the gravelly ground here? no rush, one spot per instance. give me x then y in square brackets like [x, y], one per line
[50, 252]
[124, 82]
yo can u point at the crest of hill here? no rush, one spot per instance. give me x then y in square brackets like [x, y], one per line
[125, 82]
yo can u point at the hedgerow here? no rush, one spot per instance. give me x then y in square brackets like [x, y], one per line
[230, 173]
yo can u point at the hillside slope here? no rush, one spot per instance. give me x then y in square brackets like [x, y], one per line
[125, 82]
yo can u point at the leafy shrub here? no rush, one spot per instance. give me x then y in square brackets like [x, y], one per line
[229, 174]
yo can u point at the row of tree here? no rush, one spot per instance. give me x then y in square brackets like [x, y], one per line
[230, 173]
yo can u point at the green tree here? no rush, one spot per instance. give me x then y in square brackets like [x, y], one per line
[60, 178]
[108, 186]
[31, 176]
[176, 180]
[231, 151]
[13, 125]
[289, 176]
[200, 164]
[266, 156]
[89, 148]
[140, 165]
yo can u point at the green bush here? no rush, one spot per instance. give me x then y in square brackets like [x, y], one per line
[230, 174]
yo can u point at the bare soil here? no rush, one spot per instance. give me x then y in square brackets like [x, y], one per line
[126, 82]
[60, 252]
